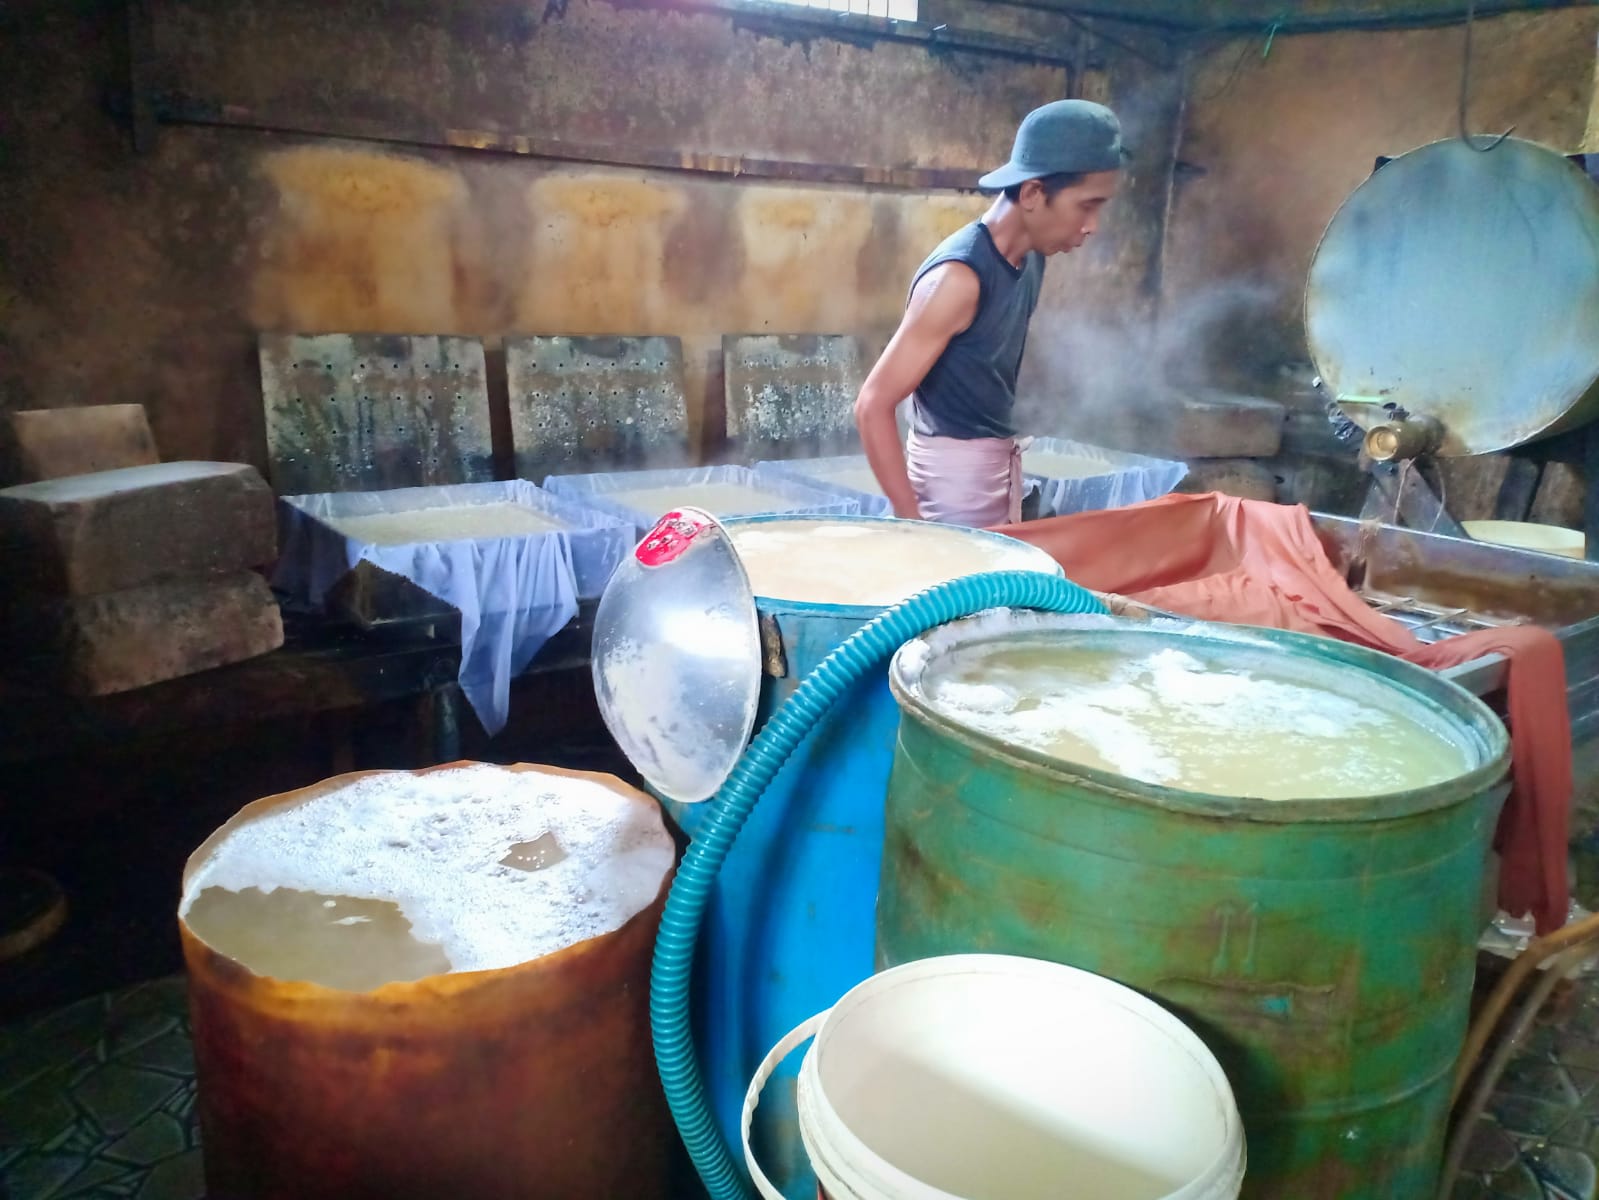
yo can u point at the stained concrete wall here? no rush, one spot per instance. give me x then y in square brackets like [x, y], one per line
[144, 277]
[1284, 136]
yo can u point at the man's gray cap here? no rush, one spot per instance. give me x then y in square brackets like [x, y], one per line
[1068, 136]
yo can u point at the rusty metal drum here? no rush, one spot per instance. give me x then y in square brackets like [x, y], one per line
[530, 1080]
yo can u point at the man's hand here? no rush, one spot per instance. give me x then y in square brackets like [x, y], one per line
[942, 305]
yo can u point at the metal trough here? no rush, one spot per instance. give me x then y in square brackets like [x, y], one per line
[1441, 587]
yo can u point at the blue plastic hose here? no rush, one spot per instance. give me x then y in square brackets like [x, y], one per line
[866, 650]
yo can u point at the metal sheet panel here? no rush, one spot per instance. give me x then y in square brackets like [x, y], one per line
[364, 412]
[585, 404]
[792, 395]
[1463, 285]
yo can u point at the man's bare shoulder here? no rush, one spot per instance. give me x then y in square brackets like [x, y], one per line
[946, 297]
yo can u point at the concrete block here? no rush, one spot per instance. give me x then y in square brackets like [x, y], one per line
[1217, 425]
[53, 442]
[1321, 484]
[113, 530]
[116, 641]
[1243, 478]
[1188, 425]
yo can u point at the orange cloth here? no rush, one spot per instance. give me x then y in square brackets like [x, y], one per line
[1219, 558]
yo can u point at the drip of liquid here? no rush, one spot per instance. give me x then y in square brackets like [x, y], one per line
[719, 499]
[543, 851]
[1288, 730]
[869, 562]
[459, 523]
[337, 941]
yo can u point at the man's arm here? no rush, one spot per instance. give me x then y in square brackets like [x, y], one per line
[942, 305]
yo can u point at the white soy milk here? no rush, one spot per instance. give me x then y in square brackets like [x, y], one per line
[449, 524]
[1185, 719]
[857, 476]
[1063, 466]
[718, 499]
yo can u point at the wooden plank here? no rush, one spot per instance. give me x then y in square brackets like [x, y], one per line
[1561, 495]
[1519, 488]
[1401, 495]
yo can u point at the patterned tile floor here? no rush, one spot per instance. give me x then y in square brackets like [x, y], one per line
[97, 1100]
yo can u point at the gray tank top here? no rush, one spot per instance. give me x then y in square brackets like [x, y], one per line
[971, 389]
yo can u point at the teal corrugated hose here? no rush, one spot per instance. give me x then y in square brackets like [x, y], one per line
[867, 650]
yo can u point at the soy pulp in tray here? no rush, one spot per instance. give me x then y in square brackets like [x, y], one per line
[875, 563]
[445, 524]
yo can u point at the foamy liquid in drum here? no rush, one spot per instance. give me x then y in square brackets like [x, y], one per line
[395, 878]
[1189, 720]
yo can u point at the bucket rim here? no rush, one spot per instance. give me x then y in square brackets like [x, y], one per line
[779, 605]
[1486, 737]
[1227, 1164]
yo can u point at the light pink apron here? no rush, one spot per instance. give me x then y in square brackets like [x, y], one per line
[966, 481]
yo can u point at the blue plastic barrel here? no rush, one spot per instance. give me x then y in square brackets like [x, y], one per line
[792, 924]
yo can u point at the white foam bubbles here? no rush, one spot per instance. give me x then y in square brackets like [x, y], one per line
[435, 845]
[1275, 730]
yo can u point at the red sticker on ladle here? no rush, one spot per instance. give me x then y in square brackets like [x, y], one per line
[672, 535]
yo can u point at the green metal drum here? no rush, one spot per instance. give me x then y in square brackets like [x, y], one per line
[1324, 949]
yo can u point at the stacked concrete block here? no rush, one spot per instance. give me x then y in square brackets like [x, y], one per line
[52, 442]
[1211, 425]
[1227, 440]
[118, 579]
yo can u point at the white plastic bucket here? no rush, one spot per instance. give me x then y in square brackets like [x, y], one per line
[988, 1077]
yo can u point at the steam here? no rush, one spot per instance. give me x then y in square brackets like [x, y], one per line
[1086, 374]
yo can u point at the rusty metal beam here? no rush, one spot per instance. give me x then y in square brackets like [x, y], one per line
[1223, 16]
[141, 56]
[187, 111]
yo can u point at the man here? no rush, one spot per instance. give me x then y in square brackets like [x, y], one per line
[960, 341]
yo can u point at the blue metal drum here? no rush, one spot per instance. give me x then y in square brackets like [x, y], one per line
[792, 923]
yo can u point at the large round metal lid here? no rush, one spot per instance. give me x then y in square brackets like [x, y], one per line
[1463, 285]
[677, 656]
